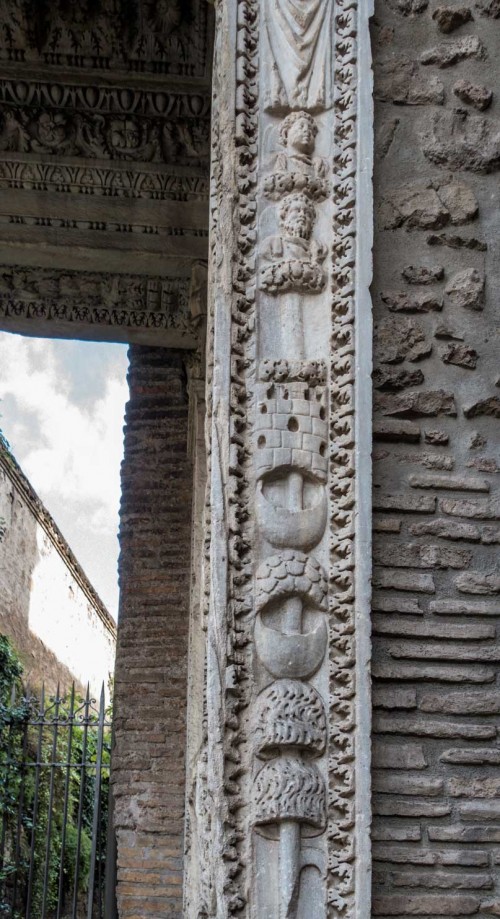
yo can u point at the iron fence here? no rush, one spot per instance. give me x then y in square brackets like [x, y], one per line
[54, 787]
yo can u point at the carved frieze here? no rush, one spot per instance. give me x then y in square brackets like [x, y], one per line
[143, 36]
[104, 122]
[87, 298]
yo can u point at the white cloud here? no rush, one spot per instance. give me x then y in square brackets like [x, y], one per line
[62, 412]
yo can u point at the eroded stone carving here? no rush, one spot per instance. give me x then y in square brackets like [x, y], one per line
[126, 300]
[297, 169]
[290, 459]
[289, 714]
[297, 42]
[292, 260]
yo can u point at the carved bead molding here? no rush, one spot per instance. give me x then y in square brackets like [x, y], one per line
[285, 768]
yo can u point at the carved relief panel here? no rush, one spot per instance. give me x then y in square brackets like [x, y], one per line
[290, 642]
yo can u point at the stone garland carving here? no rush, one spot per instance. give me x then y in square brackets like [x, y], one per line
[104, 123]
[132, 301]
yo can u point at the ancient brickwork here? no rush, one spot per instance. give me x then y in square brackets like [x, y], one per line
[436, 576]
[151, 671]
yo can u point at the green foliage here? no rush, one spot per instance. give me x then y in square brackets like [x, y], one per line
[64, 795]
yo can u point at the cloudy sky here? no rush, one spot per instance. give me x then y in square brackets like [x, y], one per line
[61, 409]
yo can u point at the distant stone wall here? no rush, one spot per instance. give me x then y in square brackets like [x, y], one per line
[436, 580]
[151, 667]
[48, 608]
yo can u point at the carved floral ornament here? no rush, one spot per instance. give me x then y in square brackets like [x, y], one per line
[290, 691]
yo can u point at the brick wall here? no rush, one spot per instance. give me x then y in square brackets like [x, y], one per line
[151, 668]
[436, 578]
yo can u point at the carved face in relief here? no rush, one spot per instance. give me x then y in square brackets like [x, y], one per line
[297, 216]
[299, 131]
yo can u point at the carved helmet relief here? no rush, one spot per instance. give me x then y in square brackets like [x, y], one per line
[291, 453]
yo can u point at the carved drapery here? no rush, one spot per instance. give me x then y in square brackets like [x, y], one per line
[289, 360]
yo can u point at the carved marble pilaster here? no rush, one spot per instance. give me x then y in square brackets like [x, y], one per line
[289, 359]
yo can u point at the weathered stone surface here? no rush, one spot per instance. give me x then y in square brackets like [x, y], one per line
[464, 608]
[396, 756]
[462, 703]
[401, 302]
[417, 555]
[391, 379]
[466, 834]
[391, 697]
[412, 504]
[484, 464]
[490, 536]
[449, 53]
[400, 339]
[481, 509]
[400, 82]
[406, 784]
[468, 858]
[433, 460]
[449, 18]
[425, 905]
[396, 431]
[475, 756]
[397, 579]
[384, 604]
[460, 140]
[446, 530]
[436, 438]
[392, 625]
[466, 289]
[473, 94]
[491, 907]
[409, 8]
[386, 525]
[444, 651]
[390, 807]
[382, 833]
[447, 333]
[453, 241]
[461, 355]
[417, 404]
[444, 880]
[450, 482]
[476, 788]
[475, 582]
[489, 407]
[423, 274]
[425, 727]
[489, 8]
[445, 673]
[428, 206]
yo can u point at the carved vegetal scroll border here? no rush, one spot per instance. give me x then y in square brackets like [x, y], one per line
[232, 616]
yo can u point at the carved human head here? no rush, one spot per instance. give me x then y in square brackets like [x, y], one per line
[299, 130]
[297, 215]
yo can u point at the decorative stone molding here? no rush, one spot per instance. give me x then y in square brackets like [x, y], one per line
[167, 38]
[289, 361]
[108, 306]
